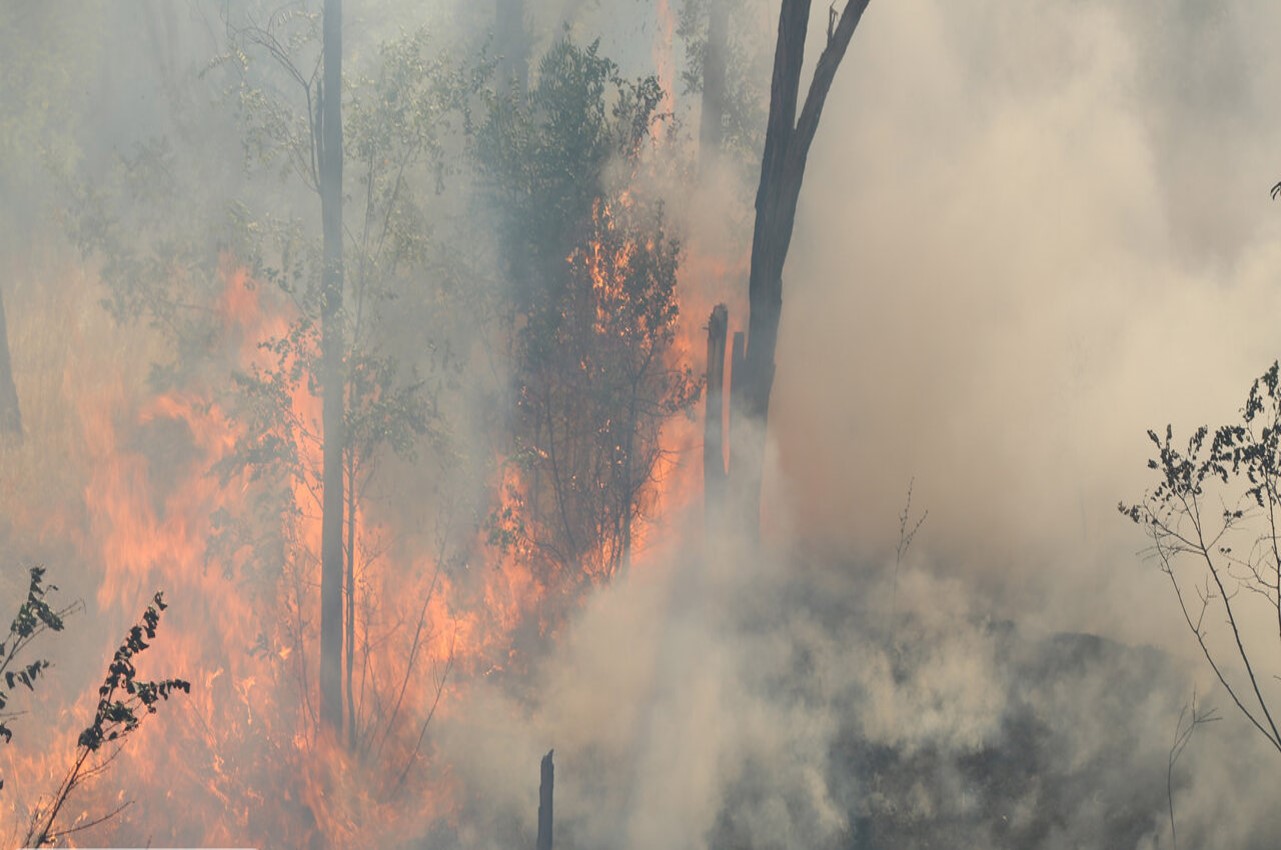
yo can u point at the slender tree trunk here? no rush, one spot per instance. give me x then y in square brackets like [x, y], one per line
[711, 129]
[512, 44]
[710, 136]
[331, 373]
[787, 144]
[10, 412]
[349, 580]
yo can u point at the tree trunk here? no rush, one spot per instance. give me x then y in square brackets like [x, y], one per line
[14, 234]
[714, 419]
[10, 413]
[787, 144]
[547, 780]
[349, 592]
[331, 373]
[712, 122]
[737, 351]
[512, 44]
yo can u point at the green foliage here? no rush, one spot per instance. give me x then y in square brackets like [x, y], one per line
[128, 218]
[594, 275]
[743, 120]
[50, 53]
[275, 134]
[403, 131]
[160, 239]
[547, 159]
[384, 411]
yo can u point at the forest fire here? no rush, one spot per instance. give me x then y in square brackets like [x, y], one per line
[243, 757]
[210, 489]
[352, 393]
[235, 548]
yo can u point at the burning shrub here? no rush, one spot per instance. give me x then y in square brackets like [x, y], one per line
[593, 300]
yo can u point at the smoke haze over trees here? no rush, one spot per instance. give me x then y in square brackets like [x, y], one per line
[467, 471]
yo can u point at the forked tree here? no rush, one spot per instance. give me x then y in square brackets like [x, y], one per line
[789, 134]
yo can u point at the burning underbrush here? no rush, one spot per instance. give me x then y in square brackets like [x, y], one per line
[696, 696]
[725, 697]
[210, 491]
[244, 756]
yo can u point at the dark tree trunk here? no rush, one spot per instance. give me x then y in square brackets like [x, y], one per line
[349, 591]
[711, 135]
[787, 145]
[331, 373]
[14, 233]
[712, 123]
[547, 780]
[737, 351]
[714, 419]
[10, 413]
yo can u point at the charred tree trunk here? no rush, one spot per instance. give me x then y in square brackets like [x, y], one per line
[547, 780]
[787, 145]
[714, 419]
[331, 372]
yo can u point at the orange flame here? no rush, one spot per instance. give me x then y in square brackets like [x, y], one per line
[243, 759]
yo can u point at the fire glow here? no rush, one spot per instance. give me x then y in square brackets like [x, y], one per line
[244, 756]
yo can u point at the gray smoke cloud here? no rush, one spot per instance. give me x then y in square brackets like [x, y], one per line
[1028, 234]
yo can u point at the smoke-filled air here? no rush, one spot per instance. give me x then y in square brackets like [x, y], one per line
[640, 424]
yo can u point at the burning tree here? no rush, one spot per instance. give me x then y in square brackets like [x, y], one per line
[597, 397]
[402, 122]
[257, 304]
[593, 312]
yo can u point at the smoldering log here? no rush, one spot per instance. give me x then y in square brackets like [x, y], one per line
[714, 416]
[545, 785]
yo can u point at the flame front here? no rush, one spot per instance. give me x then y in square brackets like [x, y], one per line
[162, 505]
